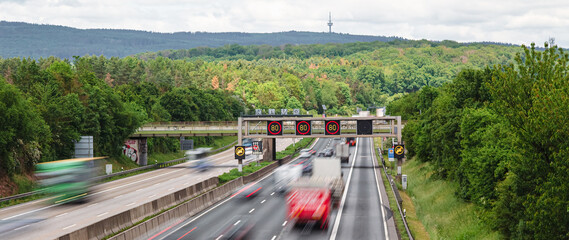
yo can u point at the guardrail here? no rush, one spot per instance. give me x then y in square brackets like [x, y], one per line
[398, 198]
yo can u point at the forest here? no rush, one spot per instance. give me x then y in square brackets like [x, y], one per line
[501, 133]
[47, 103]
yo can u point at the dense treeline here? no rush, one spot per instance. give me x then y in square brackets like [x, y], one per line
[109, 98]
[501, 133]
[47, 104]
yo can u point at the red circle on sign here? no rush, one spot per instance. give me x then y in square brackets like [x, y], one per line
[305, 132]
[337, 129]
[274, 133]
[255, 147]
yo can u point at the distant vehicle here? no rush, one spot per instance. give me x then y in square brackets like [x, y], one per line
[307, 167]
[199, 158]
[343, 152]
[68, 180]
[305, 153]
[247, 142]
[312, 199]
[284, 175]
[328, 152]
[351, 141]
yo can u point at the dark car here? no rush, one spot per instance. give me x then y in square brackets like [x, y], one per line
[329, 152]
[249, 191]
[351, 141]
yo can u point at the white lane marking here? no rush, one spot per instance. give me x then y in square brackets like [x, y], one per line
[236, 222]
[199, 178]
[209, 210]
[139, 190]
[70, 226]
[153, 195]
[22, 227]
[274, 237]
[61, 215]
[170, 189]
[374, 162]
[263, 201]
[339, 215]
[128, 184]
[219, 237]
[39, 209]
[130, 204]
[102, 214]
[117, 196]
[272, 193]
[252, 210]
[92, 204]
[284, 223]
[156, 184]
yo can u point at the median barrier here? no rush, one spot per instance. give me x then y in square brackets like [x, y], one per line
[130, 217]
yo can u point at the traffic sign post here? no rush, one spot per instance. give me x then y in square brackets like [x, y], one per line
[275, 128]
[399, 153]
[239, 152]
[332, 127]
[391, 155]
[303, 128]
[257, 147]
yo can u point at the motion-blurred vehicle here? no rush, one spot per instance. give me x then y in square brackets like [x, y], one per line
[305, 153]
[198, 158]
[306, 167]
[351, 141]
[284, 175]
[237, 228]
[249, 191]
[312, 199]
[68, 180]
[343, 152]
[328, 152]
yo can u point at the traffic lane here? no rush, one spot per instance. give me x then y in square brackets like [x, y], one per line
[362, 217]
[268, 211]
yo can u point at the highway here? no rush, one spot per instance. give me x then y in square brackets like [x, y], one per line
[37, 220]
[360, 216]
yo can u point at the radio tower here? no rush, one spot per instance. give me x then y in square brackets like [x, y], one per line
[330, 23]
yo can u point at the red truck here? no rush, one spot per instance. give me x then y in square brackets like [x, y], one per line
[309, 204]
[312, 199]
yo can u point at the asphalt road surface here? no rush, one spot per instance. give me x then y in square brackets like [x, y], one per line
[360, 216]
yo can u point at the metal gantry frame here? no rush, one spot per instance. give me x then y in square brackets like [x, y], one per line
[382, 127]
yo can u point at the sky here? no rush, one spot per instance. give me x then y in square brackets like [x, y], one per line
[506, 21]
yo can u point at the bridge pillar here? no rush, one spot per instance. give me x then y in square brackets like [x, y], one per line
[143, 148]
[269, 149]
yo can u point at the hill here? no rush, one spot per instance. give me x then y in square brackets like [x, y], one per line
[18, 39]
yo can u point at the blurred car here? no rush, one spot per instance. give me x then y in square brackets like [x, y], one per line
[328, 152]
[351, 141]
[236, 228]
[304, 153]
[307, 167]
[202, 165]
[249, 191]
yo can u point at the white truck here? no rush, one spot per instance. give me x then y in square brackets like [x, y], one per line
[343, 152]
[284, 176]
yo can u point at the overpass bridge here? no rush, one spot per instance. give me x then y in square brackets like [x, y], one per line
[283, 126]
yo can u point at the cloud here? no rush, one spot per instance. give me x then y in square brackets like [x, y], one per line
[514, 21]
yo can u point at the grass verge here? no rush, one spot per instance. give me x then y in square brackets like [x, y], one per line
[444, 215]
[291, 149]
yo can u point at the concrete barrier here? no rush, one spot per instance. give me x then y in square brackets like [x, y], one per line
[116, 223]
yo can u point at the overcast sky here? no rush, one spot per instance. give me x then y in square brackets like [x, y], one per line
[509, 21]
